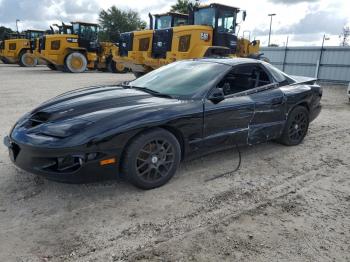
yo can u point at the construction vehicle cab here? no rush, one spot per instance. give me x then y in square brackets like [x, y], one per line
[223, 20]
[16, 48]
[167, 20]
[211, 32]
[135, 46]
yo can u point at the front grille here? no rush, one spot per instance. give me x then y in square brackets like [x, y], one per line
[15, 149]
[126, 43]
[162, 41]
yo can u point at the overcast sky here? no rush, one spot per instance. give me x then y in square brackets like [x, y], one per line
[304, 21]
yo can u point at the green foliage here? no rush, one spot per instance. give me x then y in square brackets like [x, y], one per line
[4, 31]
[182, 6]
[114, 21]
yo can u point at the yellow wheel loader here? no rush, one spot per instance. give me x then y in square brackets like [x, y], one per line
[211, 32]
[135, 46]
[75, 48]
[15, 49]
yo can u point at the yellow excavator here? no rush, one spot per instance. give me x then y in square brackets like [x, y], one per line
[135, 47]
[212, 32]
[15, 48]
[75, 48]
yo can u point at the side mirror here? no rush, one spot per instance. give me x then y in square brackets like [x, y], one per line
[217, 96]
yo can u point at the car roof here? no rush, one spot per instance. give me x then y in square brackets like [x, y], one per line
[229, 61]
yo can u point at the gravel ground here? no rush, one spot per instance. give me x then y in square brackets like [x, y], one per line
[284, 204]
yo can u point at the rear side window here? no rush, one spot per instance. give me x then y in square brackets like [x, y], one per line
[278, 75]
[244, 78]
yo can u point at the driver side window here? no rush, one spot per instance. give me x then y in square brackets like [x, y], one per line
[244, 78]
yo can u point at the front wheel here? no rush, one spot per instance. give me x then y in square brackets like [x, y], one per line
[296, 127]
[152, 159]
[27, 59]
[75, 63]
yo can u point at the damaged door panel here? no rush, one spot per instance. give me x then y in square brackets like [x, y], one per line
[269, 115]
[227, 122]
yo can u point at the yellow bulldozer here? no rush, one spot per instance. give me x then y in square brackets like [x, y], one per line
[212, 32]
[15, 48]
[75, 48]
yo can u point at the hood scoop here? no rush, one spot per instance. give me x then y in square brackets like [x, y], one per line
[38, 119]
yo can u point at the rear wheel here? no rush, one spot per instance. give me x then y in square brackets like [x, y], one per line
[296, 127]
[27, 59]
[152, 159]
[75, 63]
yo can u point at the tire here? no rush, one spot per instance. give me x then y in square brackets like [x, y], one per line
[27, 59]
[52, 67]
[75, 63]
[296, 127]
[113, 68]
[151, 159]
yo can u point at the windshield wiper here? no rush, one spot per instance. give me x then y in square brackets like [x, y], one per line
[150, 91]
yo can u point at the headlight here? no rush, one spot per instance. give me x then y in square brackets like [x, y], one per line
[63, 129]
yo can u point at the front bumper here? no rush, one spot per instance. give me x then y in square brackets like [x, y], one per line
[45, 162]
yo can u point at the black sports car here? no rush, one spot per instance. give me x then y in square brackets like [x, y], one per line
[144, 128]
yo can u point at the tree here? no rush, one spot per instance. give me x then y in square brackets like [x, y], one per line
[182, 6]
[4, 31]
[115, 21]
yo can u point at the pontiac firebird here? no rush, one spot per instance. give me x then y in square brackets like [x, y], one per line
[144, 128]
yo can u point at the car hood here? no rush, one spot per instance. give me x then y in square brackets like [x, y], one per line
[76, 117]
[96, 103]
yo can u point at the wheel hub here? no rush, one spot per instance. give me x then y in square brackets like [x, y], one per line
[76, 63]
[296, 127]
[154, 159]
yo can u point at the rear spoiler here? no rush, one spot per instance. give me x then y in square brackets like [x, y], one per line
[304, 80]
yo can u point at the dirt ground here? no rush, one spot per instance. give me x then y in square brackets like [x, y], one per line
[284, 204]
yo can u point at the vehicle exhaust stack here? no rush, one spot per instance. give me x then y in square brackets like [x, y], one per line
[150, 21]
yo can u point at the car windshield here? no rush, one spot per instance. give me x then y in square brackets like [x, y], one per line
[181, 79]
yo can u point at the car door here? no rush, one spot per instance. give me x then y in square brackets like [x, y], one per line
[227, 123]
[270, 108]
